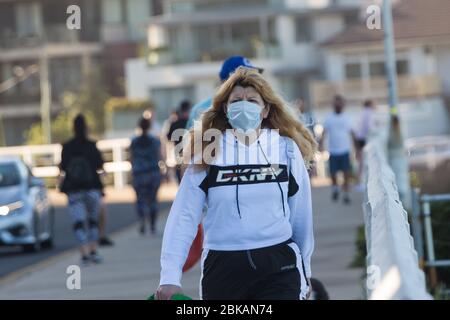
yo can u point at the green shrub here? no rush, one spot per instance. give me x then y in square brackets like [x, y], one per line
[440, 219]
[359, 260]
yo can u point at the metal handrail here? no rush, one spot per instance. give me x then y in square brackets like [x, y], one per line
[392, 261]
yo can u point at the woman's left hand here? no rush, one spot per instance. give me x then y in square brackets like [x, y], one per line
[308, 295]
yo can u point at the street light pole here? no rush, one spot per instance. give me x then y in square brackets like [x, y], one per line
[396, 152]
[46, 97]
[2, 133]
[390, 59]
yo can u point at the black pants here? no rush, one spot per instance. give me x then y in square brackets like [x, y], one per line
[269, 273]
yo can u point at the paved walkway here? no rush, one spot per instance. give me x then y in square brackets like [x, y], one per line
[335, 227]
[131, 268]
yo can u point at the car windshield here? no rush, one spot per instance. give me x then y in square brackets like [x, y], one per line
[9, 174]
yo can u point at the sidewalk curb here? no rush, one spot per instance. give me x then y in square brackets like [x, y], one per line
[25, 271]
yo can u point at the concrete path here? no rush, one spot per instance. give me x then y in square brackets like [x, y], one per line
[131, 267]
[335, 227]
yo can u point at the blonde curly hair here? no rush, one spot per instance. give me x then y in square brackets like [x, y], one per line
[281, 116]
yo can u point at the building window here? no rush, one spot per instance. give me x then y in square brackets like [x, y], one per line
[114, 11]
[167, 100]
[65, 75]
[353, 71]
[302, 29]
[7, 19]
[156, 7]
[402, 67]
[351, 18]
[28, 19]
[23, 92]
[208, 5]
[377, 69]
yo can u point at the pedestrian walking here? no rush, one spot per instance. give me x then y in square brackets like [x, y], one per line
[103, 240]
[168, 149]
[338, 130]
[366, 122]
[228, 67]
[145, 152]
[258, 225]
[306, 115]
[80, 160]
[180, 123]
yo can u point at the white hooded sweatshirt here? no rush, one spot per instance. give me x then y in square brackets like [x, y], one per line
[249, 204]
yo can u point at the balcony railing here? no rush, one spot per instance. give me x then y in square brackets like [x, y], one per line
[18, 99]
[13, 41]
[59, 33]
[168, 56]
[56, 33]
[357, 90]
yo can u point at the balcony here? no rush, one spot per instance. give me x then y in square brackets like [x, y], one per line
[12, 41]
[164, 56]
[18, 99]
[114, 32]
[57, 33]
[357, 90]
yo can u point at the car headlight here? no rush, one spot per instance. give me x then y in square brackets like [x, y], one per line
[5, 210]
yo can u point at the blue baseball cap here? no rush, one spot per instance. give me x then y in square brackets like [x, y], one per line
[234, 62]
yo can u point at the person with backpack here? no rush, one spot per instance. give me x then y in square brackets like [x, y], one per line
[258, 226]
[80, 161]
[146, 153]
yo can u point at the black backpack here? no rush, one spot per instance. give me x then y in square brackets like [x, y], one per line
[79, 172]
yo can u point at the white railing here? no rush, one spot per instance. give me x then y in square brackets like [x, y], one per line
[392, 262]
[44, 159]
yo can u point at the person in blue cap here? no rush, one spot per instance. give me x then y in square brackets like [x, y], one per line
[228, 67]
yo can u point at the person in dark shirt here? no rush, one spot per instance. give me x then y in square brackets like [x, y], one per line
[146, 154]
[180, 123]
[80, 160]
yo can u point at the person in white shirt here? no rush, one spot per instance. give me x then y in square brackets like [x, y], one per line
[258, 224]
[338, 130]
[365, 125]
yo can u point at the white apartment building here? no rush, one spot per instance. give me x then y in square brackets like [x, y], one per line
[354, 67]
[33, 29]
[187, 44]
[309, 49]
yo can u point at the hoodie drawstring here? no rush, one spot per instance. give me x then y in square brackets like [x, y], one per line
[237, 178]
[236, 154]
[276, 177]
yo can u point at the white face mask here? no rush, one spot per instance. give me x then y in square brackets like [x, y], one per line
[244, 115]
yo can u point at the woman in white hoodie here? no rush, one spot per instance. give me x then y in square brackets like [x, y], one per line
[258, 223]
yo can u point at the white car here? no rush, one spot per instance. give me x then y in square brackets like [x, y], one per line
[26, 216]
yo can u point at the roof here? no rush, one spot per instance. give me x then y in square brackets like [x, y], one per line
[412, 19]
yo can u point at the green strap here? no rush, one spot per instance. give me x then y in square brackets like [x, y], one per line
[177, 296]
